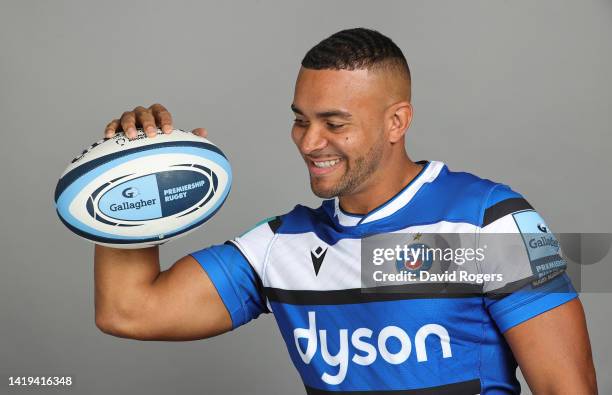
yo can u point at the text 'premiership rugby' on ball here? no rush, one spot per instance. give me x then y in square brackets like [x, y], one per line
[142, 192]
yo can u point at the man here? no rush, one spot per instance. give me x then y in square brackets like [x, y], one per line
[352, 109]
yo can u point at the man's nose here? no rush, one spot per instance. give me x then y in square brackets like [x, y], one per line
[312, 140]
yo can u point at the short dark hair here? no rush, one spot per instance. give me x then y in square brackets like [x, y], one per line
[356, 49]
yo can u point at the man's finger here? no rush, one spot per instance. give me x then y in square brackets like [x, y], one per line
[200, 132]
[163, 118]
[146, 119]
[111, 128]
[128, 124]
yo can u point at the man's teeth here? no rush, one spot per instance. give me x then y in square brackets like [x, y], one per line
[327, 163]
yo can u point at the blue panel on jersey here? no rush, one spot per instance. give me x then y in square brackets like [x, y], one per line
[235, 280]
[390, 345]
[453, 197]
[530, 301]
[499, 193]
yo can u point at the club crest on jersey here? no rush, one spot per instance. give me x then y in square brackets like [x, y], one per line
[415, 259]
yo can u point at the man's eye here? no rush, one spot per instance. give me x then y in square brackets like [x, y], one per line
[299, 122]
[334, 126]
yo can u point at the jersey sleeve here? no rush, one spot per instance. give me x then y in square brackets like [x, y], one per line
[235, 269]
[523, 257]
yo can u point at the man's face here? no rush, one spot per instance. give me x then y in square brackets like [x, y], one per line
[339, 128]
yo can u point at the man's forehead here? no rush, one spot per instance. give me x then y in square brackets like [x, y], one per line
[321, 90]
[334, 77]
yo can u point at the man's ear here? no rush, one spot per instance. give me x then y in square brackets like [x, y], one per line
[400, 117]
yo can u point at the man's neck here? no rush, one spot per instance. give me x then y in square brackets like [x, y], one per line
[382, 190]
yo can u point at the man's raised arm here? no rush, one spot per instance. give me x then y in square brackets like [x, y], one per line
[135, 300]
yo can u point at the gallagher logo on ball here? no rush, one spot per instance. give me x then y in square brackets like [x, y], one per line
[130, 192]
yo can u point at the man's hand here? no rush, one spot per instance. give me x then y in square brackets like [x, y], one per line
[554, 352]
[149, 119]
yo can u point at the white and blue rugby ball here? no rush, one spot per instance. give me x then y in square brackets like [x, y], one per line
[143, 192]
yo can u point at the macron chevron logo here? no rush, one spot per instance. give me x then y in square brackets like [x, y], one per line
[317, 257]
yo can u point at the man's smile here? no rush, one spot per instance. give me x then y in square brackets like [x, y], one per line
[319, 167]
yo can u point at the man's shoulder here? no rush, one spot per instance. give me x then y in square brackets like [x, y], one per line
[463, 184]
[460, 196]
[300, 219]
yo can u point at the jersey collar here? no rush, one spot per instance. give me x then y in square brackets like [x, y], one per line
[429, 173]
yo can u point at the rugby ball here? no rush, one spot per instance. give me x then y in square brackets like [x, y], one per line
[143, 192]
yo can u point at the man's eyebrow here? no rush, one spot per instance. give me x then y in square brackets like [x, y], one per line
[334, 113]
[325, 114]
[296, 110]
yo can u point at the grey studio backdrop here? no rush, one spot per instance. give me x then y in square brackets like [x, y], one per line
[518, 92]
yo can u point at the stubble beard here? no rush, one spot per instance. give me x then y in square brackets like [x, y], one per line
[362, 169]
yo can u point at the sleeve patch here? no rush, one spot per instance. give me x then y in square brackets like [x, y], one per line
[542, 246]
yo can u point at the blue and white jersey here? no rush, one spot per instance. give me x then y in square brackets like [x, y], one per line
[305, 268]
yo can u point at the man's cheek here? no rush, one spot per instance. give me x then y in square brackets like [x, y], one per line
[295, 137]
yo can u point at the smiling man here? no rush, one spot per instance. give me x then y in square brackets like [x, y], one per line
[352, 109]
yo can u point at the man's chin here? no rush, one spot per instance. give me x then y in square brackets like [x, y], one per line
[324, 195]
[323, 191]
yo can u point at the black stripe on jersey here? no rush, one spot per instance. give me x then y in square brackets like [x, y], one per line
[471, 387]
[503, 208]
[376, 294]
[258, 283]
[510, 288]
[275, 224]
